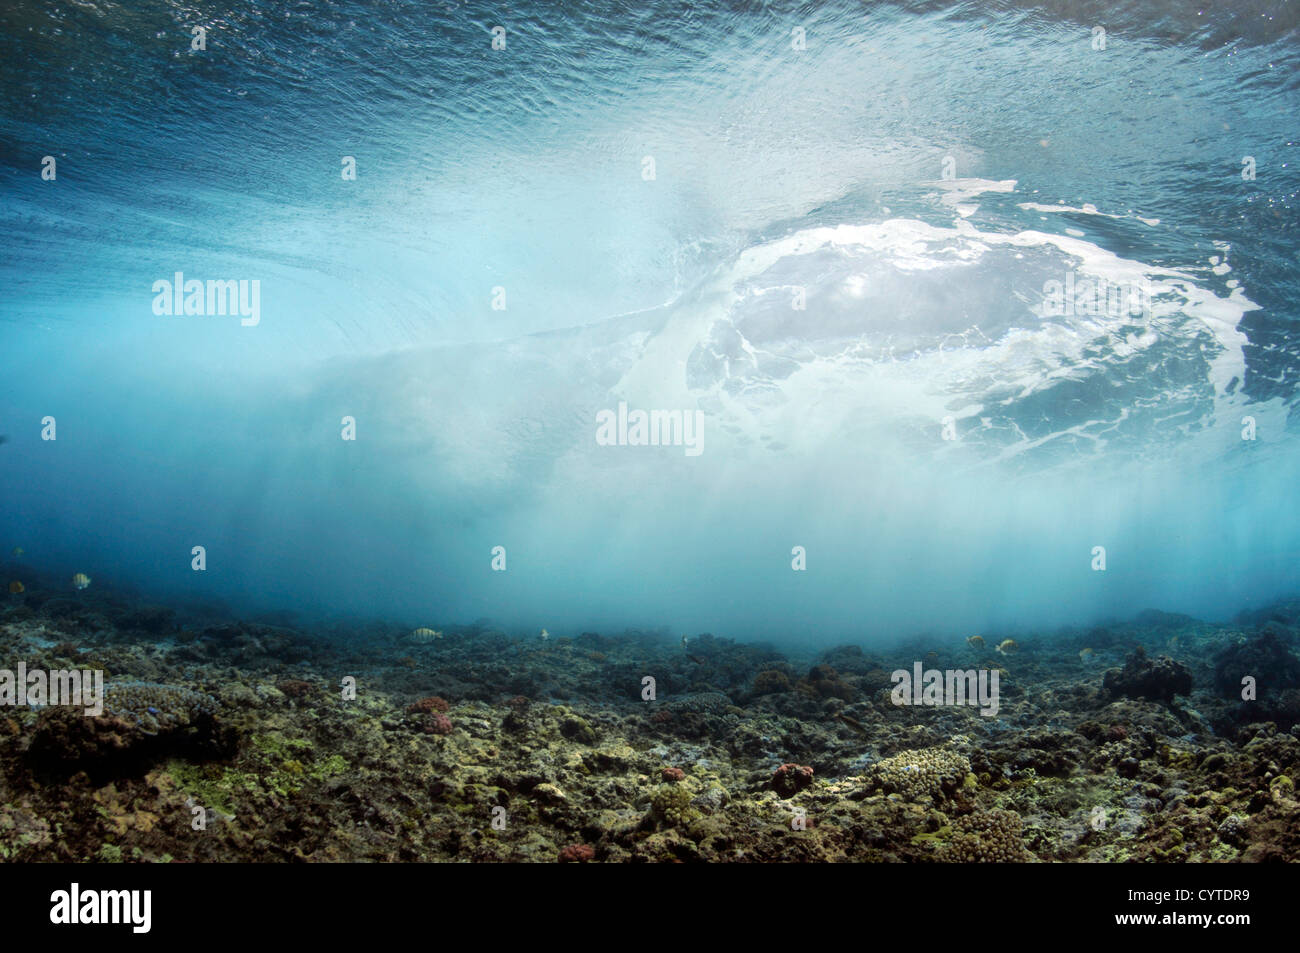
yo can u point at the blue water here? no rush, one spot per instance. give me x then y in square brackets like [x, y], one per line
[919, 172]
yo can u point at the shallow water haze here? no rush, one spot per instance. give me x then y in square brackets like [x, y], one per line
[841, 236]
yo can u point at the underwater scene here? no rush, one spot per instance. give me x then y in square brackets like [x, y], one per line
[611, 432]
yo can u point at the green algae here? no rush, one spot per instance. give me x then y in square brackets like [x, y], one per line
[934, 838]
[275, 766]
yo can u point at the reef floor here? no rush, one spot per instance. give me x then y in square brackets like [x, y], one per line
[226, 740]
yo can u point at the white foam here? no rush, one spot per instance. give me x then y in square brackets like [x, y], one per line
[867, 382]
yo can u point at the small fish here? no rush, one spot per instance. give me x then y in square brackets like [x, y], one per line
[17, 587]
[852, 723]
[545, 635]
[1085, 655]
[683, 641]
[1172, 643]
[1007, 646]
[931, 656]
[695, 658]
[80, 581]
[424, 635]
[976, 641]
[18, 551]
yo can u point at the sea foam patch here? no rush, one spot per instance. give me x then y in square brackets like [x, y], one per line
[916, 322]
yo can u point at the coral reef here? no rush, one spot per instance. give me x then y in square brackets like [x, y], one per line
[990, 837]
[577, 854]
[771, 681]
[1158, 679]
[790, 779]
[431, 704]
[1275, 671]
[927, 774]
[139, 720]
[437, 724]
[484, 747]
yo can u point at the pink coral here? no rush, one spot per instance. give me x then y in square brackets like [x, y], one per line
[577, 854]
[791, 778]
[432, 703]
[439, 724]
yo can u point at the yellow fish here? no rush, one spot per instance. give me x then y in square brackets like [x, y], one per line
[976, 641]
[545, 635]
[18, 550]
[1085, 655]
[16, 587]
[80, 581]
[1172, 643]
[424, 635]
[1007, 646]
